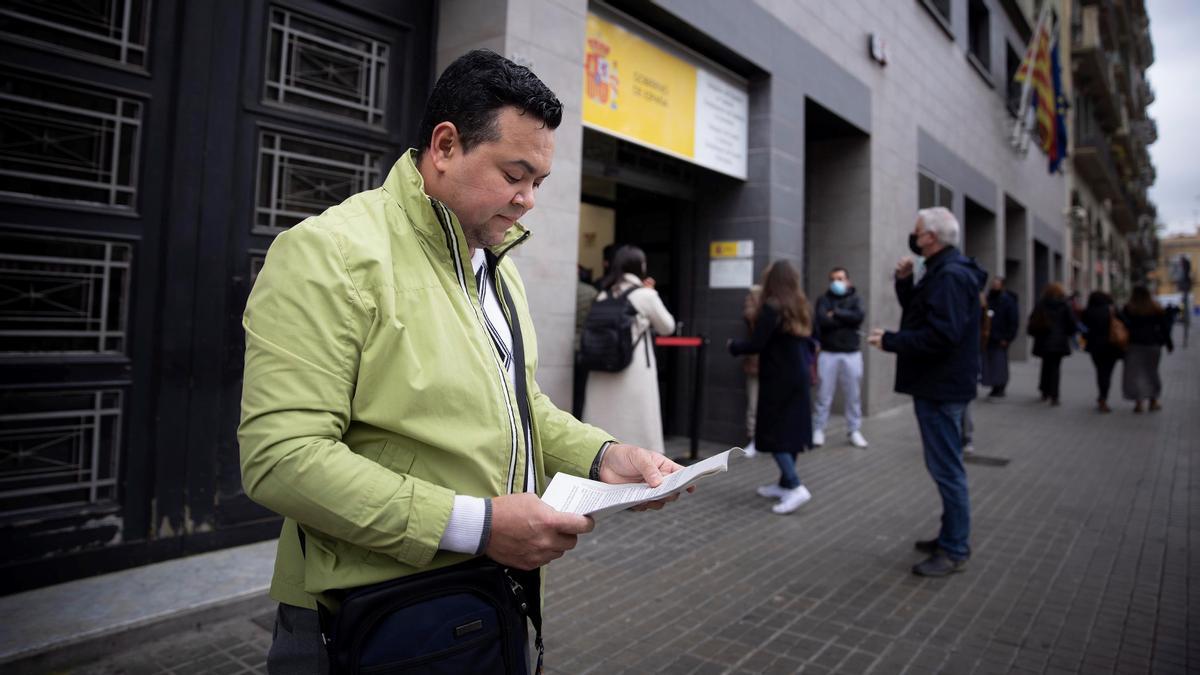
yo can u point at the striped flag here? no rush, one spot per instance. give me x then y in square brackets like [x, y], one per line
[1040, 68]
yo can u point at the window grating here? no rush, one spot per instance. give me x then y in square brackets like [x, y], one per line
[256, 264]
[116, 30]
[324, 68]
[62, 295]
[58, 449]
[300, 177]
[67, 142]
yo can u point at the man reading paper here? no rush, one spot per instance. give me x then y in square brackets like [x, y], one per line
[390, 410]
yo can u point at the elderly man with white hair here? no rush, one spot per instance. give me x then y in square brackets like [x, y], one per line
[937, 350]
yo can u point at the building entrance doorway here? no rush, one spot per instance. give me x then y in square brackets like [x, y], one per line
[634, 196]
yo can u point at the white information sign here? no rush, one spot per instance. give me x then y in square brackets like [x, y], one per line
[731, 273]
[722, 113]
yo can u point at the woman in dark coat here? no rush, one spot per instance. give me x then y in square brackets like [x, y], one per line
[1051, 325]
[1149, 331]
[784, 340]
[1097, 319]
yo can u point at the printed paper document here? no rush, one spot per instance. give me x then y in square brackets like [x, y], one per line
[572, 494]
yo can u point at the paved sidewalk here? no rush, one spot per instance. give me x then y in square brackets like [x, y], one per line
[1085, 559]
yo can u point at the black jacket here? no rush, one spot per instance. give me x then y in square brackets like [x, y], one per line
[839, 333]
[1052, 330]
[938, 342]
[1005, 317]
[784, 419]
[1148, 329]
[1097, 319]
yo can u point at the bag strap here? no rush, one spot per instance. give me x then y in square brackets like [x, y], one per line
[324, 617]
[643, 335]
[531, 611]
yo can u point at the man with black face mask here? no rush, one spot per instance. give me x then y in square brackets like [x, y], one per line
[937, 349]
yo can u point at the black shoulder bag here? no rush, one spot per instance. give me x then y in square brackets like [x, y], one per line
[465, 618]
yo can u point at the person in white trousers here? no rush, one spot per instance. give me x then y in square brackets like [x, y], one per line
[840, 363]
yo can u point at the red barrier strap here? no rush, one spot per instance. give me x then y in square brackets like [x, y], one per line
[677, 341]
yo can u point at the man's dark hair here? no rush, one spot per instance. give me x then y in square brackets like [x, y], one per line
[473, 90]
[839, 269]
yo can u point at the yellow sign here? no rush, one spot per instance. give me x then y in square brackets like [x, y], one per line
[638, 91]
[741, 248]
[723, 249]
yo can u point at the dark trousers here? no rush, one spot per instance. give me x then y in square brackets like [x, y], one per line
[1104, 369]
[941, 435]
[296, 647]
[1048, 381]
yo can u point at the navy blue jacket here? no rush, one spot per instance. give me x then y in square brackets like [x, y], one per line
[1005, 317]
[937, 346]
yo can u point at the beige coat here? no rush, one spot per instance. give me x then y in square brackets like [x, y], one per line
[626, 404]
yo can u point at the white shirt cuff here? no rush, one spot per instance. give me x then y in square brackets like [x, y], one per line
[464, 532]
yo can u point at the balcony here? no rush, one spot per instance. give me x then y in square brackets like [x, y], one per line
[1094, 65]
[1146, 93]
[1095, 162]
[1145, 131]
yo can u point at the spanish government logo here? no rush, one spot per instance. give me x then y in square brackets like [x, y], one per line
[603, 81]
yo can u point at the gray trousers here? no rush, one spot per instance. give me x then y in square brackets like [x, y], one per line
[839, 369]
[296, 647]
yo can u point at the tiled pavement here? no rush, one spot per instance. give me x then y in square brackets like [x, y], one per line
[1085, 559]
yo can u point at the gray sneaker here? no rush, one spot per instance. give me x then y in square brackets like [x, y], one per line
[939, 565]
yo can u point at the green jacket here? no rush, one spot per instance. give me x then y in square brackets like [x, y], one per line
[372, 393]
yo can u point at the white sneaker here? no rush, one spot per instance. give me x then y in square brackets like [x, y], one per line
[793, 500]
[968, 449]
[818, 438]
[750, 450]
[772, 491]
[857, 440]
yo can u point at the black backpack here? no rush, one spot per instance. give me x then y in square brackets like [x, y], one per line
[606, 343]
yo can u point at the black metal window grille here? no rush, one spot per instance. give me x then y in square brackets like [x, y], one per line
[62, 295]
[58, 449]
[299, 176]
[326, 69]
[68, 143]
[113, 30]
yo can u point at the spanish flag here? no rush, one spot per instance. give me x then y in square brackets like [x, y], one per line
[1041, 67]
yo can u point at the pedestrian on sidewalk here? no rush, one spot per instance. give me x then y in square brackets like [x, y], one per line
[751, 306]
[1098, 318]
[937, 350]
[585, 295]
[1003, 310]
[785, 339]
[1149, 332]
[390, 407]
[1052, 325]
[626, 403]
[840, 362]
[985, 329]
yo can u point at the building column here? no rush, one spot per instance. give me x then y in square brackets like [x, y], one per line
[547, 36]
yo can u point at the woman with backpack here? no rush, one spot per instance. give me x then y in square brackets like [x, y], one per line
[1103, 344]
[625, 402]
[1051, 325]
[1149, 331]
[785, 342]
